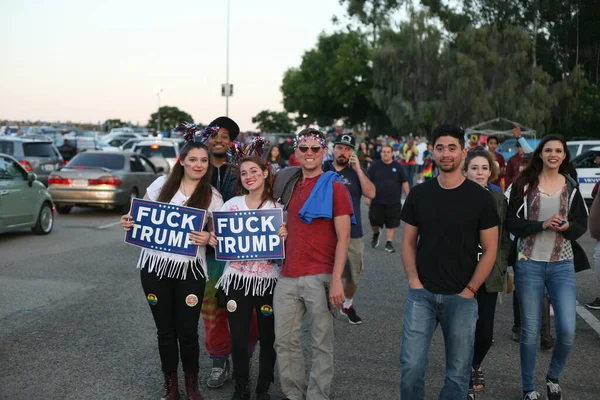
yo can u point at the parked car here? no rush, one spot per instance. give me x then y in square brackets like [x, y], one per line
[166, 149]
[47, 131]
[117, 140]
[578, 147]
[9, 130]
[285, 141]
[24, 201]
[39, 156]
[588, 171]
[508, 148]
[129, 143]
[101, 179]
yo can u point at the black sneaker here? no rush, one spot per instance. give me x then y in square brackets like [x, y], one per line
[389, 247]
[594, 305]
[353, 318]
[533, 395]
[375, 240]
[553, 390]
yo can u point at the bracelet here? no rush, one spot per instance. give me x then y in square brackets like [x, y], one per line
[472, 290]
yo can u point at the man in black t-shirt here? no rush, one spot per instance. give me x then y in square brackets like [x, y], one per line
[216, 327]
[389, 179]
[345, 163]
[446, 219]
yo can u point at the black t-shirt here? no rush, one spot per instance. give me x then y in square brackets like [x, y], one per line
[350, 178]
[388, 180]
[449, 222]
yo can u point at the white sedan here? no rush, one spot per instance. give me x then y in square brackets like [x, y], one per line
[588, 171]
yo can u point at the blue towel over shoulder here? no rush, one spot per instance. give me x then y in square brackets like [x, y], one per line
[320, 201]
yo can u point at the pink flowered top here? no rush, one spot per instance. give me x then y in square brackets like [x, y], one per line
[256, 277]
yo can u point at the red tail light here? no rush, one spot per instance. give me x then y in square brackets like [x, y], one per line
[26, 165]
[58, 180]
[105, 180]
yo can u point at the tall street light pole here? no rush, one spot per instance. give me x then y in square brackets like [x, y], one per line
[227, 87]
[159, 93]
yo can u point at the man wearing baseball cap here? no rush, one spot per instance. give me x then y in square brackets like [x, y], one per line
[346, 164]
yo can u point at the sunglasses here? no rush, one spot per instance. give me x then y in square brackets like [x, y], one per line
[314, 148]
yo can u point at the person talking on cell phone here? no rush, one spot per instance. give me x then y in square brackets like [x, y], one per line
[546, 214]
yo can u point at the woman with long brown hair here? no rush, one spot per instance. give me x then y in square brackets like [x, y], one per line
[274, 158]
[546, 214]
[174, 284]
[248, 285]
[479, 166]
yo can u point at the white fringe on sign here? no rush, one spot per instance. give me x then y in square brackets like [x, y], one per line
[258, 285]
[166, 267]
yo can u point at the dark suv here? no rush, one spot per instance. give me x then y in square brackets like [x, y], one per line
[35, 155]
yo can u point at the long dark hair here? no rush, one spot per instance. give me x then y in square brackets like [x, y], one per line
[202, 196]
[267, 194]
[530, 175]
[278, 158]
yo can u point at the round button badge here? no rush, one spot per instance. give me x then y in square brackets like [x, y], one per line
[191, 300]
[231, 306]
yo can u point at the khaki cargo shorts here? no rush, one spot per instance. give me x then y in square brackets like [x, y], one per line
[354, 263]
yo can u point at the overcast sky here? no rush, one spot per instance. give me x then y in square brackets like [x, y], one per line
[88, 61]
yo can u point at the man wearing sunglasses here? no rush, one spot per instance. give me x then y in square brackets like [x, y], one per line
[311, 277]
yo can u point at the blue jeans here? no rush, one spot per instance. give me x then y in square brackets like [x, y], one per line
[458, 318]
[409, 171]
[531, 277]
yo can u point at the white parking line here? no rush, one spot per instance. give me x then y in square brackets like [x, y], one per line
[109, 225]
[589, 318]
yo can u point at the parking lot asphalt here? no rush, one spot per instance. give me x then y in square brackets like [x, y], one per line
[74, 324]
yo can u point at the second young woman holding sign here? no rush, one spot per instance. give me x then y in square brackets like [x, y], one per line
[249, 285]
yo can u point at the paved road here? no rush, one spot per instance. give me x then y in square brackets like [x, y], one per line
[74, 324]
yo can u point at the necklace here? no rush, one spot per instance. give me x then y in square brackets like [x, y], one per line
[182, 186]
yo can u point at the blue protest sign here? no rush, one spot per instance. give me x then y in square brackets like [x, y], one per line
[248, 235]
[164, 227]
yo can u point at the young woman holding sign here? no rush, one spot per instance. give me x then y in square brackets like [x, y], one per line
[249, 285]
[174, 284]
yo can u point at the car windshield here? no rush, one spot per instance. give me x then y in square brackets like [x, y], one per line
[155, 150]
[587, 160]
[38, 150]
[103, 160]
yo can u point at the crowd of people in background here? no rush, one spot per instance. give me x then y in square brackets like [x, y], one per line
[469, 217]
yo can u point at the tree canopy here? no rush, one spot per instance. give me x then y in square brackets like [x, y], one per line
[170, 117]
[274, 122]
[459, 61]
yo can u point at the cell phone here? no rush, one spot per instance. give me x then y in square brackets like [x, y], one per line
[562, 223]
